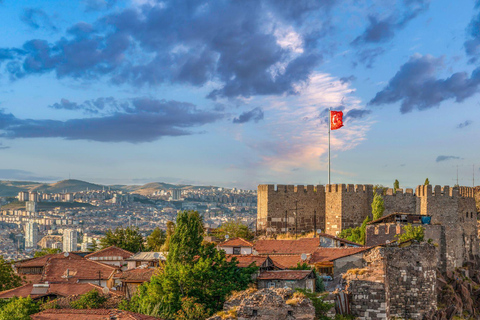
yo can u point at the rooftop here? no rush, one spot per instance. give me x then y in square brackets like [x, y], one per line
[400, 217]
[285, 275]
[237, 242]
[271, 247]
[59, 289]
[147, 256]
[331, 254]
[90, 314]
[246, 260]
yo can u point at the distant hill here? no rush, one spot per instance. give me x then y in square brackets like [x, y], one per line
[12, 188]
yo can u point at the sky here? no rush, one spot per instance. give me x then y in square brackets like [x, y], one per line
[236, 93]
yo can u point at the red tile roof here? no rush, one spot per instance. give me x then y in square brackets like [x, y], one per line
[285, 275]
[287, 261]
[271, 247]
[138, 275]
[246, 260]
[78, 269]
[237, 242]
[41, 261]
[59, 289]
[111, 251]
[90, 314]
[331, 254]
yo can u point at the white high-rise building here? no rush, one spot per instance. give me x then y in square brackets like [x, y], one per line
[69, 240]
[176, 194]
[31, 206]
[31, 235]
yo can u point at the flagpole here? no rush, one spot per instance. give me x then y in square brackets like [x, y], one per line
[329, 129]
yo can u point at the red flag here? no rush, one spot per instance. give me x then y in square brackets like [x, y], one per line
[336, 120]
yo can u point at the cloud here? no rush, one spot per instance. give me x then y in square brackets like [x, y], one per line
[37, 18]
[3, 147]
[446, 158]
[348, 79]
[357, 113]
[464, 124]
[295, 135]
[144, 120]
[98, 5]
[94, 106]
[239, 48]
[15, 174]
[472, 45]
[255, 115]
[416, 86]
[381, 30]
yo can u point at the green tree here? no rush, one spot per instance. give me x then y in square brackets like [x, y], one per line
[234, 229]
[19, 309]
[170, 230]
[191, 310]
[411, 233]
[94, 246]
[90, 300]
[156, 240]
[8, 278]
[377, 207]
[200, 273]
[426, 182]
[128, 239]
[396, 185]
[357, 234]
[45, 251]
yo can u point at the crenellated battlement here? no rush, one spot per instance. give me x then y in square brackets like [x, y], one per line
[398, 193]
[445, 191]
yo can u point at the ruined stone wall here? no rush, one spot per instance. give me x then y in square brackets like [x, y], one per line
[410, 281]
[450, 207]
[398, 282]
[399, 201]
[378, 234]
[276, 214]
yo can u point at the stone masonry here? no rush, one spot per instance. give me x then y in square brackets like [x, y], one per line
[333, 208]
[398, 282]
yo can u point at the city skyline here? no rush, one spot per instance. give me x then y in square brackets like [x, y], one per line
[235, 95]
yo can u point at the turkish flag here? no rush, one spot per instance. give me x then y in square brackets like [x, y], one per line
[336, 120]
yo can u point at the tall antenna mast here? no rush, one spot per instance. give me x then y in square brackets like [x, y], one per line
[473, 175]
[457, 176]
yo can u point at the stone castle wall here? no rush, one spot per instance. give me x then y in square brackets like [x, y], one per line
[398, 283]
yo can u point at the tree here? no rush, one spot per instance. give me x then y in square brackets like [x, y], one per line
[8, 278]
[396, 185]
[377, 207]
[234, 229]
[195, 277]
[128, 239]
[411, 233]
[19, 309]
[90, 300]
[426, 182]
[45, 251]
[156, 240]
[170, 230]
[357, 234]
[93, 247]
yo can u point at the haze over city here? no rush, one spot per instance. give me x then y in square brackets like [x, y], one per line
[235, 93]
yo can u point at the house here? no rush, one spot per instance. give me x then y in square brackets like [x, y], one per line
[112, 255]
[150, 259]
[294, 279]
[236, 246]
[89, 314]
[131, 279]
[50, 291]
[336, 261]
[66, 268]
[329, 241]
[286, 247]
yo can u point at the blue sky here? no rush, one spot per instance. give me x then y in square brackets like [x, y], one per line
[234, 93]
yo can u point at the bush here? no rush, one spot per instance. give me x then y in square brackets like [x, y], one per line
[90, 300]
[321, 307]
[18, 309]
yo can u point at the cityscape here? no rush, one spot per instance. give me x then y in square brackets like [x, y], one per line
[239, 160]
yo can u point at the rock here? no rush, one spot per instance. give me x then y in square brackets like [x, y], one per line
[278, 304]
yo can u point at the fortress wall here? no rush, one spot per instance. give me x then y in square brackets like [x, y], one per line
[399, 201]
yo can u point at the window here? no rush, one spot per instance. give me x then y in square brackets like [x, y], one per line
[271, 285]
[254, 312]
[466, 215]
[290, 313]
[471, 214]
[237, 250]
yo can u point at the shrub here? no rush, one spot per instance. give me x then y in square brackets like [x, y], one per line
[90, 300]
